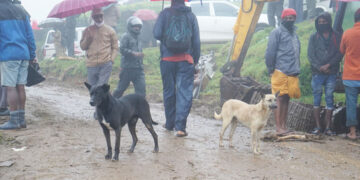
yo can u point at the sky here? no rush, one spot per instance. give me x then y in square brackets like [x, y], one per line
[39, 9]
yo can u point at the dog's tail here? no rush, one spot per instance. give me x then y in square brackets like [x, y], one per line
[217, 116]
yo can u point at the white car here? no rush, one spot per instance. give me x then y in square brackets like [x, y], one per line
[48, 48]
[216, 20]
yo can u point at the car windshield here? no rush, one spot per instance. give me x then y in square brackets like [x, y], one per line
[50, 39]
[222, 9]
[200, 10]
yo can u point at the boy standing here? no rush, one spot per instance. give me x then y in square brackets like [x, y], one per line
[131, 59]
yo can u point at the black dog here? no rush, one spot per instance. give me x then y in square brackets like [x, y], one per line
[118, 112]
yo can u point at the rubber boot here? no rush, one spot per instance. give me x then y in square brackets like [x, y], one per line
[22, 121]
[13, 121]
[4, 112]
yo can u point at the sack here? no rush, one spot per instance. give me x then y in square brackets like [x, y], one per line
[34, 77]
[178, 32]
[339, 86]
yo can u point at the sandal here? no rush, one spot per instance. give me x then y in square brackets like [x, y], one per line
[316, 131]
[181, 134]
[347, 137]
[167, 128]
[328, 132]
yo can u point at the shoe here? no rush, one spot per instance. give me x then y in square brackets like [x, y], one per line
[182, 134]
[328, 132]
[4, 112]
[167, 128]
[316, 131]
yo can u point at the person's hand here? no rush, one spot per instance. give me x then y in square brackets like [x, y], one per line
[34, 60]
[325, 68]
[138, 54]
[89, 34]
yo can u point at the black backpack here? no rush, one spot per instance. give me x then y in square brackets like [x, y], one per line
[178, 32]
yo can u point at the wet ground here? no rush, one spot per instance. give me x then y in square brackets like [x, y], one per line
[63, 142]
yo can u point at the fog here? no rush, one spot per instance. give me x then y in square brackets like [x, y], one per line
[39, 9]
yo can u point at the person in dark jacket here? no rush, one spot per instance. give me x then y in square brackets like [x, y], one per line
[177, 69]
[17, 48]
[131, 59]
[324, 56]
[282, 60]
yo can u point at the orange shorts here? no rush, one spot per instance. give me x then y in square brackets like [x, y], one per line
[285, 84]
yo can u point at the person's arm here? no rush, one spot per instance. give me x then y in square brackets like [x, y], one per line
[124, 46]
[195, 41]
[343, 44]
[336, 59]
[311, 53]
[31, 41]
[158, 28]
[114, 45]
[271, 50]
[86, 39]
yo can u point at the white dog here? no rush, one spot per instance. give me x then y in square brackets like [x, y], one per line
[253, 116]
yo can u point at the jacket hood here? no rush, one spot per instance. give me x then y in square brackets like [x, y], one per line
[181, 7]
[132, 21]
[325, 16]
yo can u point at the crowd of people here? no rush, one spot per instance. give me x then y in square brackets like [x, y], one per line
[326, 49]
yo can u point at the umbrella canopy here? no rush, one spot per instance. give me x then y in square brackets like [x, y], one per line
[51, 22]
[68, 8]
[145, 14]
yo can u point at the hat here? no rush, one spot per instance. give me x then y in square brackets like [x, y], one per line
[288, 12]
[97, 11]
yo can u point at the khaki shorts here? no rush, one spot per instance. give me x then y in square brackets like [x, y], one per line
[14, 72]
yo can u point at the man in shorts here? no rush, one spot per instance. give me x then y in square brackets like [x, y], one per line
[283, 64]
[17, 48]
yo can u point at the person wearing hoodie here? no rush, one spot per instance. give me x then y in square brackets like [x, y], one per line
[100, 43]
[324, 56]
[131, 59]
[282, 59]
[177, 69]
[349, 46]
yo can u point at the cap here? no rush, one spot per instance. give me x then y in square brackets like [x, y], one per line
[288, 12]
[97, 11]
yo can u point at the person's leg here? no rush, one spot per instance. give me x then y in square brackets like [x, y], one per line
[9, 76]
[104, 73]
[123, 83]
[184, 88]
[93, 75]
[329, 99]
[281, 113]
[311, 9]
[278, 11]
[168, 74]
[317, 89]
[4, 111]
[351, 103]
[139, 82]
[299, 10]
[271, 13]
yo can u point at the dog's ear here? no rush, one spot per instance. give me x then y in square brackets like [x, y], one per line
[277, 94]
[87, 85]
[106, 87]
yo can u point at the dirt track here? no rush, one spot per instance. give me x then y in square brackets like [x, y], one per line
[63, 142]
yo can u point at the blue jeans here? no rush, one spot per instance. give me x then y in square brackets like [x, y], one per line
[319, 81]
[351, 103]
[297, 5]
[178, 84]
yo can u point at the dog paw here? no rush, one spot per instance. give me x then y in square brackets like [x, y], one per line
[115, 158]
[156, 150]
[108, 156]
[130, 151]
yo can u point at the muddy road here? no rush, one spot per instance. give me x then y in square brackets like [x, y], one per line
[63, 141]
